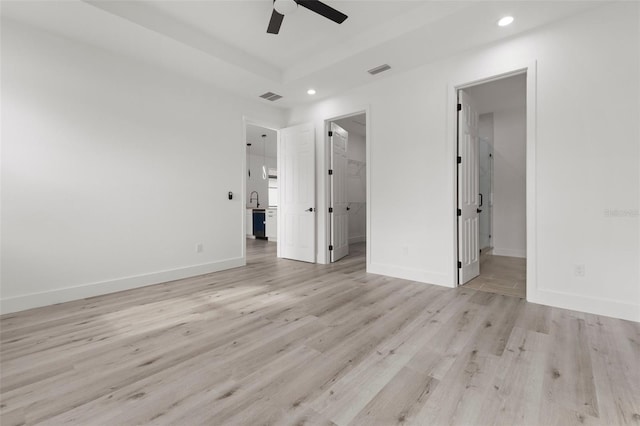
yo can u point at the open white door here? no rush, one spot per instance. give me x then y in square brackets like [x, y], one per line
[297, 186]
[468, 187]
[339, 207]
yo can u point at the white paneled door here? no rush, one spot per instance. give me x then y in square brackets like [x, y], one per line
[339, 205]
[297, 186]
[468, 190]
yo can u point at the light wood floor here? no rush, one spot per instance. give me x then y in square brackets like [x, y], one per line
[283, 342]
[502, 275]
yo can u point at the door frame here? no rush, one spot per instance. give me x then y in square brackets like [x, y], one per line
[475, 77]
[243, 190]
[327, 195]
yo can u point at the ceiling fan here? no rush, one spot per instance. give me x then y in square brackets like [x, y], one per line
[283, 7]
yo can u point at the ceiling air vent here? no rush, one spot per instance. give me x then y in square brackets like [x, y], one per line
[270, 96]
[378, 70]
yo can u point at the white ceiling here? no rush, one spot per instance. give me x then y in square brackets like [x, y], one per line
[242, 24]
[225, 43]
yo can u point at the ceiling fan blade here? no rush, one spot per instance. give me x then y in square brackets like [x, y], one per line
[324, 10]
[275, 22]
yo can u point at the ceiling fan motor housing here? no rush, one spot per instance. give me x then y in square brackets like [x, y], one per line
[285, 7]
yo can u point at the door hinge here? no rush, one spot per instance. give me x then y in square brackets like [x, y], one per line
[459, 212]
[330, 248]
[330, 171]
[459, 264]
[459, 160]
[330, 133]
[459, 107]
[330, 209]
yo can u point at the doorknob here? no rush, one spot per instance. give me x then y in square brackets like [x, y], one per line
[310, 209]
[478, 210]
[348, 208]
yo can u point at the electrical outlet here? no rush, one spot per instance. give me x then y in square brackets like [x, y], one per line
[578, 271]
[199, 248]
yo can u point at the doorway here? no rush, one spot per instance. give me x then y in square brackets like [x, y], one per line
[281, 206]
[347, 195]
[261, 188]
[492, 186]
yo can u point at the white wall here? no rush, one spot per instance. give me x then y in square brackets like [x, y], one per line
[586, 153]
[509, 183]
[357, 147]
[485, 126]
[357, 187]
[112, 171]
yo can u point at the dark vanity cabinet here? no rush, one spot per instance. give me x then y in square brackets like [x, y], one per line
[258, 223]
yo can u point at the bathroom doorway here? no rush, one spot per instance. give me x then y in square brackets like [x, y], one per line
[261, 191]
[492, 186]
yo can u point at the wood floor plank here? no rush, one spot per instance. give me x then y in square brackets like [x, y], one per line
[569, 379]
[376, 361]
[535, 318]
[291, 343]
[399, 401]
[219, 370]
[501, 275]
[614, 355]
[307, 417]
[514, 398]
[458, 397]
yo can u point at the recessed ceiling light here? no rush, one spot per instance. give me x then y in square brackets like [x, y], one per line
[503, 22]
[311, 92]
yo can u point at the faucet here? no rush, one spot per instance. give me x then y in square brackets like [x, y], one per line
[251, 198]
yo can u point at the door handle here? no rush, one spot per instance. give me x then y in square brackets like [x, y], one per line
[348, 208]
[310, 209]
[478, 210]
[481, 200]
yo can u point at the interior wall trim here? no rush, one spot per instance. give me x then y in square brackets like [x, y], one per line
[35, 300]
[576, 302]
[410, 274]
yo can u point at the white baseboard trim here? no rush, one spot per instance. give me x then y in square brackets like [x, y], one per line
[35, 300]
[509, 252]
[574, 302]
[410, 274]
[358, 239]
